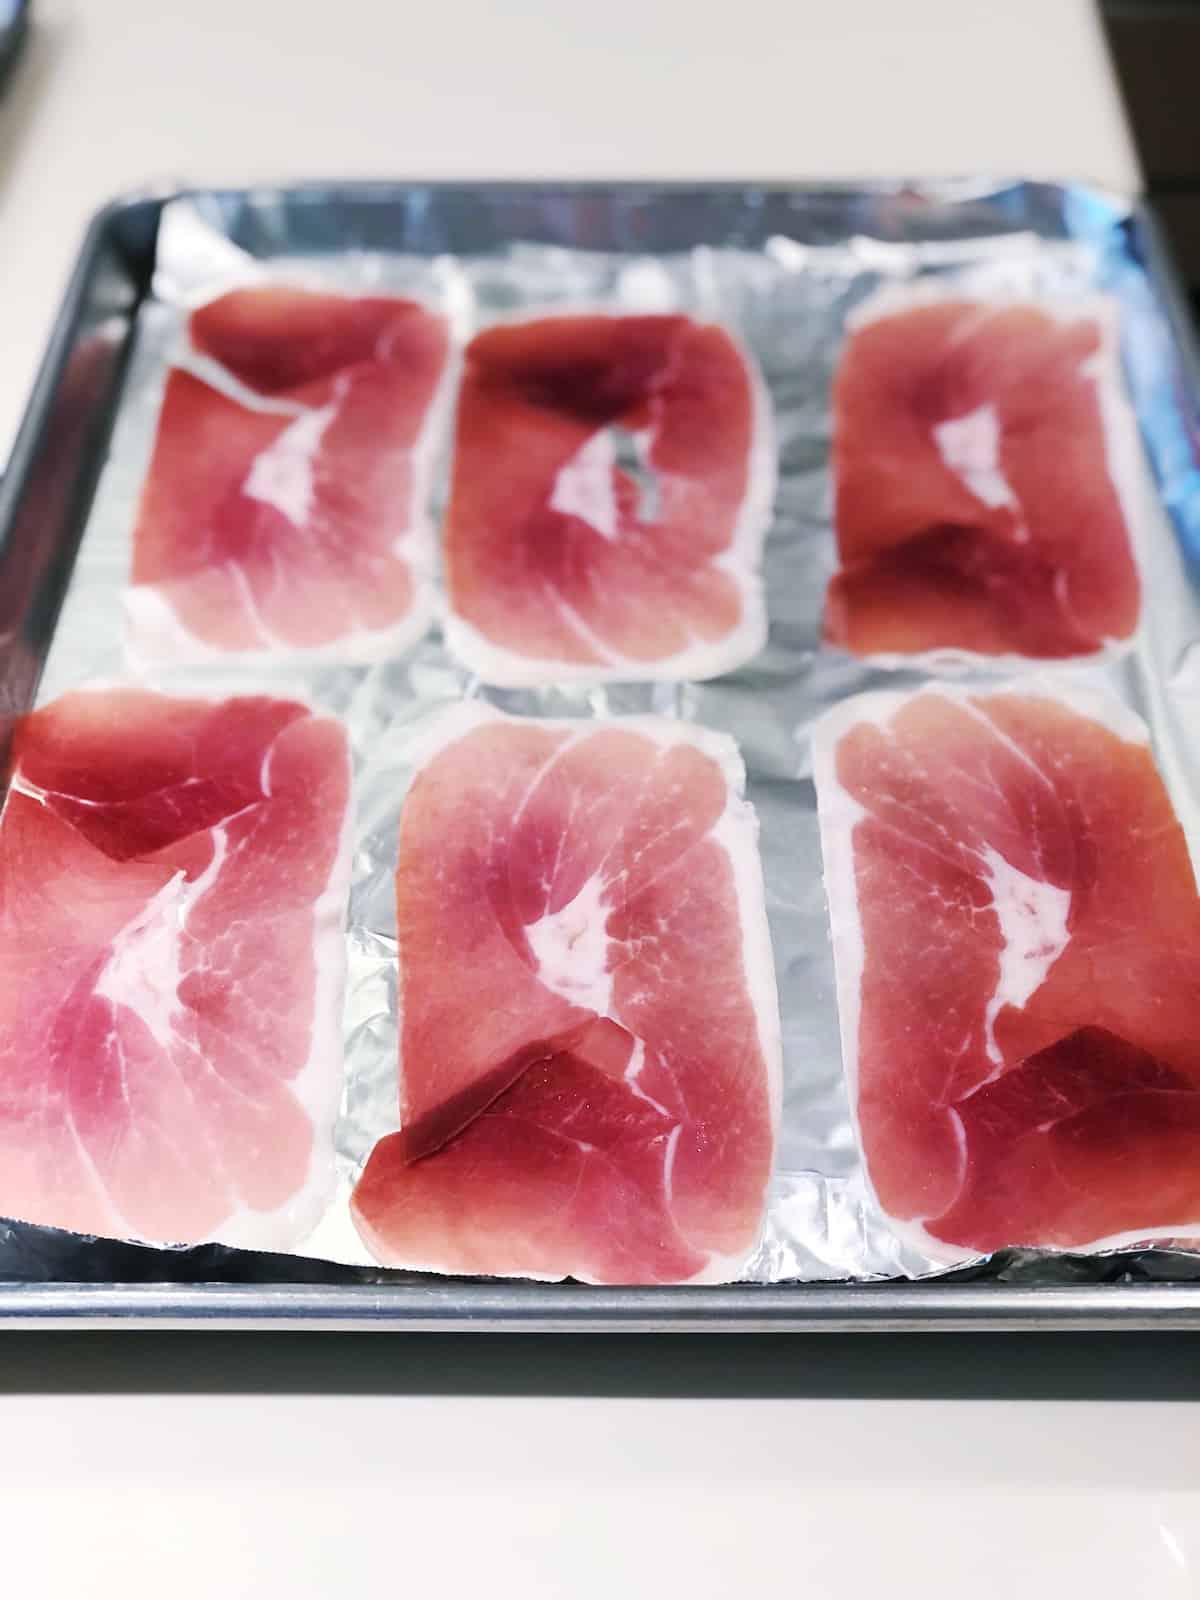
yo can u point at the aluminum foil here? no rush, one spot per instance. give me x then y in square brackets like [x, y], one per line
[787, 295]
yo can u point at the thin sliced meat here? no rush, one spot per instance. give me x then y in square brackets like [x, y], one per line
[1016, 931]
[295, 522]
[981, 456]
[590, 1037]
[300, 345]
[173, 880]
[613, 477]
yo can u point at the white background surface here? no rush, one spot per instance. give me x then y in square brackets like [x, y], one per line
[589, 1499]
[702, 1469]
[471, 1468]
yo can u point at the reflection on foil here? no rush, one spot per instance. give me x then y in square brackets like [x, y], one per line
[788, 298]
[48, 521]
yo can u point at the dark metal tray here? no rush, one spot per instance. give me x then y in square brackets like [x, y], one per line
[44, 501]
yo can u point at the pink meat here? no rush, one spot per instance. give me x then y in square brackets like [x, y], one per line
[560, 562]
[290, 528]
[172, 894]
[1017, 935]
[1003, 532]
[296, 344]
[589, 1050]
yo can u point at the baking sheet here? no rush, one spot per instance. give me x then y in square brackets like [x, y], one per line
[787, 294]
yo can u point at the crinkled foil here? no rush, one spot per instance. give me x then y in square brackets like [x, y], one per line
[787, 292]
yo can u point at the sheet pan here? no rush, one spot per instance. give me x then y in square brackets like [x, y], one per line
[46, 499]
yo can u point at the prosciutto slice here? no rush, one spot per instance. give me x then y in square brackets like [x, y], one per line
[613, 476]
[173, 879]
[284, 507]
[981, 451]
[590, 1036]
[1016, 931]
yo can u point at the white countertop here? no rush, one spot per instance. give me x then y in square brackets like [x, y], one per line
[789, 1484]
[384, 1467]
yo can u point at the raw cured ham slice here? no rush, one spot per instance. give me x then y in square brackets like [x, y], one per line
[980, 455]
[613, 476]
[291, 342]
[590, 1037]
[173, 879]
[291, 518]
[1016, 931]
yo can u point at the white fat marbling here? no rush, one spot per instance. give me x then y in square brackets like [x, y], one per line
[585, 488]
[142, 973]
[282, 474]
[970, 447]
[1033, 918]
[633, 1073]
[571, 949]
